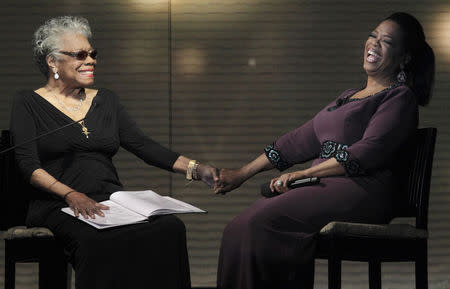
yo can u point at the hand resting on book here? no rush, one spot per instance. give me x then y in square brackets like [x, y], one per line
[131, 207]
[79, 203]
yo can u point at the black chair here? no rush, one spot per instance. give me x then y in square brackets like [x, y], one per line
[392, 242]
[22, 244]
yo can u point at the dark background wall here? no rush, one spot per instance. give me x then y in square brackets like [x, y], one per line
[218, 80]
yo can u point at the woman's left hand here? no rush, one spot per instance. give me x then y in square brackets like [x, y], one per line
[281, 184]
[208, 174]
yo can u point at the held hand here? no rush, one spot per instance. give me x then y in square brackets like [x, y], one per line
[229, 180]
[281, 183]
[87, 207]
[208, 174]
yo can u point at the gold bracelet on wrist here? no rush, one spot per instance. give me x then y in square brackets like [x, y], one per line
[191, 172]
[194, 171]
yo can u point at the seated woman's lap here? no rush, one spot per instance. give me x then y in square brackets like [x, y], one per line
[334, 199]
[287, 220]
[155, 251]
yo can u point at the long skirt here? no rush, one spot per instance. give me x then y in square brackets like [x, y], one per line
[139, 256]
[272, 243]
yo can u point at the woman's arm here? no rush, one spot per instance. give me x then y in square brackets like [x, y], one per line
[133, 139]
[296, 146]
[78, 202]
[328, 168]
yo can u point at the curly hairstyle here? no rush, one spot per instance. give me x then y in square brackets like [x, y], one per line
[47, 38]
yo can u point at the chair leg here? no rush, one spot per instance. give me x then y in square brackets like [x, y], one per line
[69, 277]
[334, 273]
[10, 274]
[53, 271]
[422, 269]
[374, 274]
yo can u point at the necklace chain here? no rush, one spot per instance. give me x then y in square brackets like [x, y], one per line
[84, 129]
[76, 108]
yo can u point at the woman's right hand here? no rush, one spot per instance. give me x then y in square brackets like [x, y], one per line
[229, 179]
[208, 174]
[82, 204]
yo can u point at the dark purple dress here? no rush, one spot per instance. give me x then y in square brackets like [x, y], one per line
[271, 244]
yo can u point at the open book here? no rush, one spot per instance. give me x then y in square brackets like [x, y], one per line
[131, 207]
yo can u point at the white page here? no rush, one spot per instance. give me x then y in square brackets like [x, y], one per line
[148, 203]
[117, 215]
[184, 205]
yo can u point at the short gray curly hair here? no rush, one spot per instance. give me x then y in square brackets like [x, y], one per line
[47, 37]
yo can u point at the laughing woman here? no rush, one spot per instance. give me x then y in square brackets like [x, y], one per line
[355, 142]
[73, 167]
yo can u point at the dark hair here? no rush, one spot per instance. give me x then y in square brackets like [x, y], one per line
[420, 68]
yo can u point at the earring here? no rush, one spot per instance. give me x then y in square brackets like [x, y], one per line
[401, 76]
[55, 74]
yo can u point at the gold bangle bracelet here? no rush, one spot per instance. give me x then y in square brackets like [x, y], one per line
[194, 171]
[190, 170]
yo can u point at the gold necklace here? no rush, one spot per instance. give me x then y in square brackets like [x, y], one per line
[84, 129]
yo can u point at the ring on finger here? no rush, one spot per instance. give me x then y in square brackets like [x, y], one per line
[279, 183]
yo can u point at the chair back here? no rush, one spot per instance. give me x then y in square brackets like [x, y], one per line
[415, 179]
[13, 192]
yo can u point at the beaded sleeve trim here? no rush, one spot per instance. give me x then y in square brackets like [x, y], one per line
[275, 158]
[339, 151]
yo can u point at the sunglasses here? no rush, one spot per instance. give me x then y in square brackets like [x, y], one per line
[82, 54]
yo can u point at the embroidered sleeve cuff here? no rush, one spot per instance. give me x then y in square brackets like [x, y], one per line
[275, 158]
[339, 152]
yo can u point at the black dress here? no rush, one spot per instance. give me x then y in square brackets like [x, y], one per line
[149, 255]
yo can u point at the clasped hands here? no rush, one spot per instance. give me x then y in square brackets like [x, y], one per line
[230, 179]
[220, 180]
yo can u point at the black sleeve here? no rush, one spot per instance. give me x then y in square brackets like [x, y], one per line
[135, 141]
[23, 128]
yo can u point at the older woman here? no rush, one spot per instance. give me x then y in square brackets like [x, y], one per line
[355, 142]
[73, 167]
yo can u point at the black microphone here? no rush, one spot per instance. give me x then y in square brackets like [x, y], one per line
[44, 134]
[266, 192]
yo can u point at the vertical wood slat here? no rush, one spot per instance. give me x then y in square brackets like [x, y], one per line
[243, 73]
